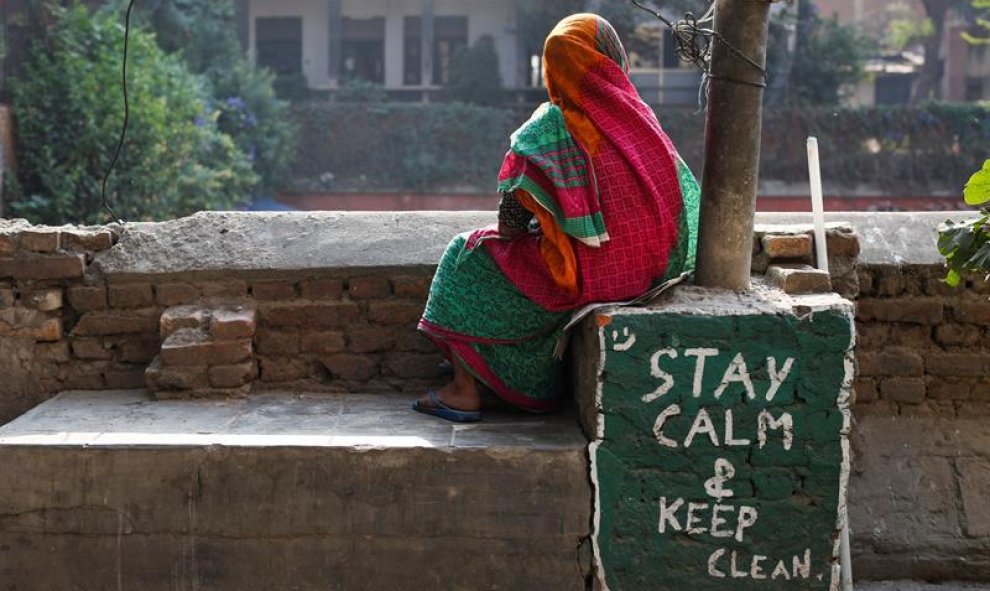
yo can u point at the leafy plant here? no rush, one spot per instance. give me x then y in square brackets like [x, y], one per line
[68, 107]
[966, 245]
[245, 102]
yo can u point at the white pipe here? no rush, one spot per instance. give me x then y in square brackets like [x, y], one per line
[817, 203]
[846, 558]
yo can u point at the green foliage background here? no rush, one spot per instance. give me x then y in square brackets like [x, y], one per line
[900, 150]
[69, 111]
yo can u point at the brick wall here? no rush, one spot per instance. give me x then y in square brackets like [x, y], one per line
[63, 327]
[923, 348]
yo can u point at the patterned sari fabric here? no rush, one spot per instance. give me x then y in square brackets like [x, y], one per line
[617, 208]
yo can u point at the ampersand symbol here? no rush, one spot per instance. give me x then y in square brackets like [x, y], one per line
[715, 487]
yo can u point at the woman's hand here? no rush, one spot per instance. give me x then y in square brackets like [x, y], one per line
[509, 233]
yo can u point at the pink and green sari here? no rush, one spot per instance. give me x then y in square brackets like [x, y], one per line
[618, 212]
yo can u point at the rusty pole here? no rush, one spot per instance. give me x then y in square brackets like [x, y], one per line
[732, 144]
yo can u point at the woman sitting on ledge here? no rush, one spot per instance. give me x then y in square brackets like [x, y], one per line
[616, 209]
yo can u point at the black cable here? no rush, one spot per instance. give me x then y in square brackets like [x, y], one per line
[692, 43]
[127, 116]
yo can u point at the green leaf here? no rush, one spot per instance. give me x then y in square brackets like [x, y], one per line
[977, 190]
[953, 278]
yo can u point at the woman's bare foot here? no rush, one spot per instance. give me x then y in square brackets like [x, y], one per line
[460, 394]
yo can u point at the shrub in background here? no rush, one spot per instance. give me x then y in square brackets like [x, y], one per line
[69, 109]
[396, 146]
[245, 102]
[474, 75]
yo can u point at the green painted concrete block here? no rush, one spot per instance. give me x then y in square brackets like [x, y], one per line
[719, 454]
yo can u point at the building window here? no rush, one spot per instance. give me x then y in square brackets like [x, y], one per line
[450, 36]
[278, 44]
[412, 53]
[363, 50]
[893, 89]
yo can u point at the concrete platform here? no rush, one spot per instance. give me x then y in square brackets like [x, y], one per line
[110, 490]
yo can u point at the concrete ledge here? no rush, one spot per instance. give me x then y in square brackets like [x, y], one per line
[260, 243]
[312, 492]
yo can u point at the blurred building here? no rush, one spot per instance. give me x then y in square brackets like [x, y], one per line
[406, 46]
[964, 68]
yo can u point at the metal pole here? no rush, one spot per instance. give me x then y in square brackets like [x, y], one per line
[732, 147]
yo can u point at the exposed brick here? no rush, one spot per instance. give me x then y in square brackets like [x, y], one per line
[865, 390]
[394, 312]
[125, 378]
[901, 363]
[131, 295]
[7, 297]
[233, 322]
[46, 241]
[911, 336]
[24, 322]
[57, 352]
[787, 246]
[759, 263]
[188, 346]
[84, 348]
[412, 286]
[866, 284]
[413, 365]
[88, 299]
[846, 285]
[277, 343]
[954, 334]
[350, 367]
[880, 408]
[43, 266]
[872, 335]
[972, 312]
[868, 365]
[8, 244]
[959, 364]
[948, 390]
[234, 288]
[799, 279]
[322, 343]
[83, 376]
[137, 349]
[176, 294]
[182, 377]
[322, 289]
[369, 339]
[267, 291]
[179, 317]
[44, 300]
[313, 316]
[971, 410]
[233, 376]
[366, 288]
[79, 240]
[903, 390]
[119, 322]
[413, 341]
[925, 311]
[935, 286]
[888, 282]
[284, 369]
[842, 243]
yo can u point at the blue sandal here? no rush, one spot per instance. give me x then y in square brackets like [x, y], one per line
[439, 409]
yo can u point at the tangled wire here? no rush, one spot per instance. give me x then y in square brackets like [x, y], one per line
[693, 40]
